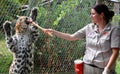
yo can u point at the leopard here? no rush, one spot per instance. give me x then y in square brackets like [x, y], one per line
[21, 44]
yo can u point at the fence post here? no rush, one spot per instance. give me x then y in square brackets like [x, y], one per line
[98, 1]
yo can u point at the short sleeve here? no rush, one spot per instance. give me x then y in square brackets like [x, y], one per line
[115, 38]
[81, 33]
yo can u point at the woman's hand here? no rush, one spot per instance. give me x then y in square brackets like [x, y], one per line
[48, 31]
[106, 71]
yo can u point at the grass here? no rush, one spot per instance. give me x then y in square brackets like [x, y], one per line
[6, 59]
[118, 66]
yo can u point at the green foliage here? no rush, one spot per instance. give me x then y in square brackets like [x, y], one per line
[68, 17]
[118, 66]
[9, 10]
[22, 2]
[116, 18]
[56, 22]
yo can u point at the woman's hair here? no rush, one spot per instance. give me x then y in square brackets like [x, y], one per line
[102, 8]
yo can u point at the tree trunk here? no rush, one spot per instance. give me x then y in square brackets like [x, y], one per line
[116, 8]
[98, 1]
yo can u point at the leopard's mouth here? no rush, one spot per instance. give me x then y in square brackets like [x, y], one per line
[27, 21]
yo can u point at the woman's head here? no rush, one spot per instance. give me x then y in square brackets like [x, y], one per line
[102, 9]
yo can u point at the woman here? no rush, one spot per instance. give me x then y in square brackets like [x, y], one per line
[102, 41]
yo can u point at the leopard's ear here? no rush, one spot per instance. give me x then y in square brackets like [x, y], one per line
[17, 16]
[34, 13]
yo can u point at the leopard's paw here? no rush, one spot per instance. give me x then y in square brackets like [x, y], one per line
[7, 27]
[34, 13]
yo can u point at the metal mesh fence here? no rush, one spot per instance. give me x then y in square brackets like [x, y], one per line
[52, 55]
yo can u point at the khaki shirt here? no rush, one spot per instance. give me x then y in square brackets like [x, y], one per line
[98, 45]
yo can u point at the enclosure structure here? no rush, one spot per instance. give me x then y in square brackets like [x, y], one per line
[52, 55]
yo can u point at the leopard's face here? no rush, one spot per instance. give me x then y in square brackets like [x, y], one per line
[22, 24]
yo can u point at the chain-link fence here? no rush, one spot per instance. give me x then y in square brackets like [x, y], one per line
[52, 55]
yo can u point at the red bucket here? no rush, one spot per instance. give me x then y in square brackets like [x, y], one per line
[78, 66]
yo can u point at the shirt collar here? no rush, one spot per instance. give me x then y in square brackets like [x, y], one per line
[107, 27]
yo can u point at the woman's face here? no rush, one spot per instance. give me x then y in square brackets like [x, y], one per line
[95, 17]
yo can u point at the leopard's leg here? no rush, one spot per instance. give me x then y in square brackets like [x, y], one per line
[9, 40]
[7, 28]
[34, 30]
[33, 13]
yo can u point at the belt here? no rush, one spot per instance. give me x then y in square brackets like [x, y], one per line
[92, 65]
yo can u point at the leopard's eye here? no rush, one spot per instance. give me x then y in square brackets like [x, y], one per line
[20, 19]
[26, 18]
